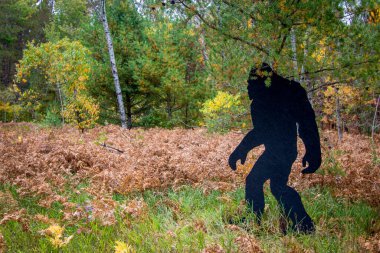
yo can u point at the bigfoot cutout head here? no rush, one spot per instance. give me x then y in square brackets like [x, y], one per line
[259, 80]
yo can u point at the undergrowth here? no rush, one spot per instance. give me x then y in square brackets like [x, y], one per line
[188, 219]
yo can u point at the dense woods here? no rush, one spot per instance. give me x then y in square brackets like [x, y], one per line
[185, 63]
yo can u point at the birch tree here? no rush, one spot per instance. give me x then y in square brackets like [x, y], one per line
[103, 17]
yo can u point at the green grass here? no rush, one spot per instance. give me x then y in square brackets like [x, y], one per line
[171, 224]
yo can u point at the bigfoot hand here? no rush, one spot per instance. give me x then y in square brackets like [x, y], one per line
[314, 160]
[236, 156]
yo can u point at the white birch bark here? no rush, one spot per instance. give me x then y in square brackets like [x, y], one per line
[202, 39]
[305, 78]
[203, 46]
[113, 65]
[294, 50]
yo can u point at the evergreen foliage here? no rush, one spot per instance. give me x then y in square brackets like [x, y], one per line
[172, 58]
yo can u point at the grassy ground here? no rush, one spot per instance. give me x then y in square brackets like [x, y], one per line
[189, 220]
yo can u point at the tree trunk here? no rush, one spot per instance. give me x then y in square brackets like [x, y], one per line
[129, 110]
[60, 102]
[113, 65]
[338, 118]
[187, 114]
[294, 50]
[375, 119]
[169, 110]
[202, 41]
[169, 106]
[305, 77]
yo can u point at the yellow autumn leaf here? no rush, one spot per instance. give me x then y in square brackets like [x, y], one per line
[122, 247]
[55, 230]
[55, 234]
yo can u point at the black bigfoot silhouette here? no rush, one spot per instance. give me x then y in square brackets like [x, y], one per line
[277, 105]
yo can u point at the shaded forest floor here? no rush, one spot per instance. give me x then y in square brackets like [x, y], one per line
[172, 191]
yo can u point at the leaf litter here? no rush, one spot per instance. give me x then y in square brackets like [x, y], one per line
[45, 162]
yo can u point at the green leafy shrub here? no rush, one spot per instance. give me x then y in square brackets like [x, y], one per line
[223, 112]
[52, 117]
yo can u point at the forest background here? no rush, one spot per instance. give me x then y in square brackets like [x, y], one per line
[185, 63]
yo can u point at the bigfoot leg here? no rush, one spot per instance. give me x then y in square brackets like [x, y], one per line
[254, 194]
[291, 203]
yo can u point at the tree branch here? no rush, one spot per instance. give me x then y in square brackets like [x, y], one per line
[109, 147]
[332, 69]
[328, 84]
[240, 9]
[284, 40]
[212, 26]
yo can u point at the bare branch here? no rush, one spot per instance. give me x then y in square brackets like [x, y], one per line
[112, 148]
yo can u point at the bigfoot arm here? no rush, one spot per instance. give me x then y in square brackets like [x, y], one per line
[308, 132]
[250, 141]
